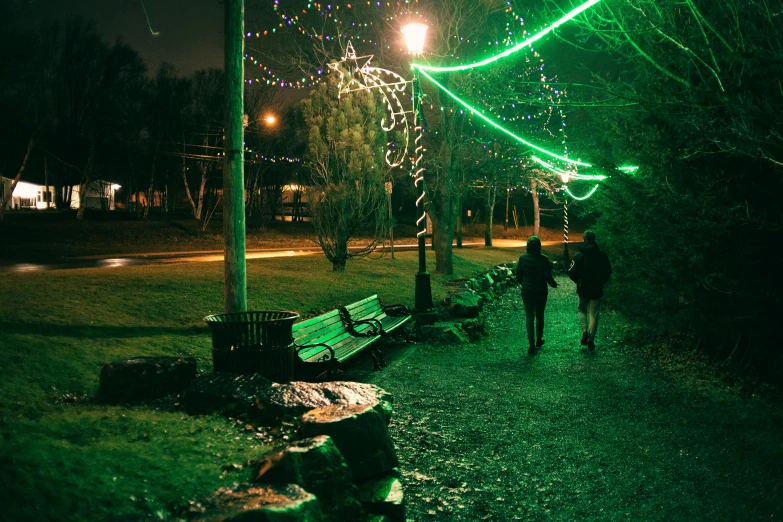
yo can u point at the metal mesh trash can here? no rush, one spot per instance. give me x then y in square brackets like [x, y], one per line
[254, 342]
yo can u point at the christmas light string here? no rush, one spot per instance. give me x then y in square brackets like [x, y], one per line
[374, 78]
[508, 52]
[295, 20]
[496, 125]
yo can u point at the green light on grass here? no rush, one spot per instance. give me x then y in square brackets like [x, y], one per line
[583, 197]
[628, 169]
[478, 114]
[511, 50]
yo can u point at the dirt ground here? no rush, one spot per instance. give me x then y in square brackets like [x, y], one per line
[487, 432]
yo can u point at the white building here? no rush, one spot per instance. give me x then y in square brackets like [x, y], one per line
[99, 194]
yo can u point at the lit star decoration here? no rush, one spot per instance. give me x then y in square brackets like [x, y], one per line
[364, 78]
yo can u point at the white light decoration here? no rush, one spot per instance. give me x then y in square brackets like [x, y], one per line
[415, 35]
[364, 78]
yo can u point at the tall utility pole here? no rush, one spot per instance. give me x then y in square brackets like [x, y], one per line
[233, 166]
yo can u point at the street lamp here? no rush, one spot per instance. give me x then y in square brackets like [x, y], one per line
[415, 35]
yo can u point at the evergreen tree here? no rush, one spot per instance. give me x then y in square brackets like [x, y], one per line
[346, 151]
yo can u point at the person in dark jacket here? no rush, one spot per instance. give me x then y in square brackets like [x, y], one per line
[590, 270]
[534, 273]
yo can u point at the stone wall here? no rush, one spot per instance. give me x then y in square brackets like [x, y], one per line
[459, 320]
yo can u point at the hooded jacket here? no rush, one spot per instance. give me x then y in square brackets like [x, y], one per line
[590, 270]
[534, 271]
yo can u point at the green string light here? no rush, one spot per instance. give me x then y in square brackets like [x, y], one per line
[561, 172]
[526, 43]
[568, 191]
[499, 127]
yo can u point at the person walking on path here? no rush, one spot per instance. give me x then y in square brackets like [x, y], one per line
[590, 270]
[534, 273]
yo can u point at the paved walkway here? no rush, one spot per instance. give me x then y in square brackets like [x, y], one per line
[486, 432]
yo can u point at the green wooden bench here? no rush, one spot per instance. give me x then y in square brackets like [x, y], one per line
[323, 343]
[388, 320]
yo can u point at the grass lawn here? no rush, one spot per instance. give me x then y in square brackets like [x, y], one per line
[64, 457]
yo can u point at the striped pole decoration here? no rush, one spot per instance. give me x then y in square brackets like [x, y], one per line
[418, 165]
[566, 256]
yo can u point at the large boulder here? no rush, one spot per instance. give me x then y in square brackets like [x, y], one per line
[267, 401]
[254, 503]
[298, 397]
[360, 433]
[318, 466]
[464, 303]
[384, 496]
[143, 378]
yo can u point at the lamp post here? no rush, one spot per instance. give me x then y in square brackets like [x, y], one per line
[415, 35]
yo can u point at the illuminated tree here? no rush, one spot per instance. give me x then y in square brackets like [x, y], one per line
[346, 153]
[691, 90]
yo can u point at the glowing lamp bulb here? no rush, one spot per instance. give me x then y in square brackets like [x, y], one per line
[415, 35]
[270, 120]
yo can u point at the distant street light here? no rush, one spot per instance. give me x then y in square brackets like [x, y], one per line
[270, 120]
[415, 35]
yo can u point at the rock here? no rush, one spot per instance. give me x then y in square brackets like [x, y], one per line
[143, 378]
[233, 394]
[249, 502]
[473, 327]
[384, 496]
[445, 332]
[296, 398]
[360, 434]
[486, 281]
[267, 401]
[464, 303]
[488, 295]
[316, 465]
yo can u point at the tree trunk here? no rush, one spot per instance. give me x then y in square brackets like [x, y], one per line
[489, 208]
[459, 226]
[508, 197]
[199, 208]
[536, 210]
[7, 197]
[86, 179]
[150, 192]
[442, 242]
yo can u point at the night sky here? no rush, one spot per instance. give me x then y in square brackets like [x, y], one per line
[190, 31]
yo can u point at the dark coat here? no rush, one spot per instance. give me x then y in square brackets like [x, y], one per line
[534, 273]
[590, 270]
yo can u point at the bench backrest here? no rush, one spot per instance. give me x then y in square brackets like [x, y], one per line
[326, 328]
[368, 308]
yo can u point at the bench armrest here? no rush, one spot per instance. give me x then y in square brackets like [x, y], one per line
[376, 327]
[397, 310]
[299, 348]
